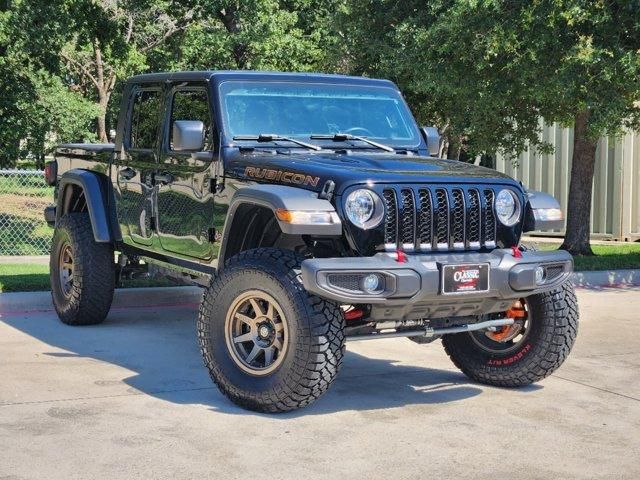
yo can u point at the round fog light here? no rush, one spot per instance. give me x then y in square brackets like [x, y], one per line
[539, 275]
[371, 283]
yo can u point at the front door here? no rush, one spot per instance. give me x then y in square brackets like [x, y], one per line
[184, 179]
[134, 171]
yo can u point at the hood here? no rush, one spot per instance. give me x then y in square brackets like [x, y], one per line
[312, 170]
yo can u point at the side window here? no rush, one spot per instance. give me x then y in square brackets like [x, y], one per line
[192, 105]
[145, 115]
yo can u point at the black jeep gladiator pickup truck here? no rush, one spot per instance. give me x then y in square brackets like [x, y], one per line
[311, 209]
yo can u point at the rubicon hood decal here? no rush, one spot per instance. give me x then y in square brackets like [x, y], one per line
[281, 176]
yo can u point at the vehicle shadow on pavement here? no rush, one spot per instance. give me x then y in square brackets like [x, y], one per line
[159, 345]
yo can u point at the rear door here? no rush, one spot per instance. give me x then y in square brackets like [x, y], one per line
[184, 178]
[134, 169]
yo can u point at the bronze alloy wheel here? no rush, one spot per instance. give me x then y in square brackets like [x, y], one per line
[256, 333]
[65, 269]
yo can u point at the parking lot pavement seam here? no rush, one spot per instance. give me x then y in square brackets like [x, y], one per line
[406, 372]
[102, 397]
[596, 388]
[598, 355]
[116, 308]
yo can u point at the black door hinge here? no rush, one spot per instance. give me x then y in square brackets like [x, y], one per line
[214, 186]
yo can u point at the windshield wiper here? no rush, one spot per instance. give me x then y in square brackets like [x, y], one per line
[272, 137]
[341, 137]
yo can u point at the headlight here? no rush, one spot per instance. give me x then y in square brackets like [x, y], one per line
[507, 207]
[364, 208]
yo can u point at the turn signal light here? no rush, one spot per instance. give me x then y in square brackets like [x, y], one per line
[304, 217]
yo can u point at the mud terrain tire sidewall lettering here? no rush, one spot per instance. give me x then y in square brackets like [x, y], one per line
[552, 334]
[91, 294]
[315, 333]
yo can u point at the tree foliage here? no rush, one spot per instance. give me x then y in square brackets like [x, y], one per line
[488, 70]
[37, 109]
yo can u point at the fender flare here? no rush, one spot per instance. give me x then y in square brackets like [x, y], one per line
[276, 197]
[99, 197]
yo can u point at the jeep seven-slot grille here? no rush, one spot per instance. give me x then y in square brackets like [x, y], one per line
[427, 219]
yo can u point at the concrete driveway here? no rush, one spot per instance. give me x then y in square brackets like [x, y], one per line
[131, 399]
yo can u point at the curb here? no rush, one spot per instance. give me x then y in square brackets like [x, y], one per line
[606, 278]
[123, 298]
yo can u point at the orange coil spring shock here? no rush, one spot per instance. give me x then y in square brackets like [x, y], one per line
[517, 311]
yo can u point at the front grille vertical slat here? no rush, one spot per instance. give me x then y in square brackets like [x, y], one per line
[437, 218]
[408, 221]
[489, 220]
[390, 220]
[425, 220]
[474, 214]
[442, 220]
[457, 219]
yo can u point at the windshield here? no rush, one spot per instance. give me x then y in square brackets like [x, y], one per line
[302, 109]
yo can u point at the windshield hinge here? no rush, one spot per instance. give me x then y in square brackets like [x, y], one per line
[327, 190]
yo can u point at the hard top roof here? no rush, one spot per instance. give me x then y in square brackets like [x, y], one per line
[219, 75]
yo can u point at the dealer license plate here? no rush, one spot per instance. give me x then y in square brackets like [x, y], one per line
[465, 278]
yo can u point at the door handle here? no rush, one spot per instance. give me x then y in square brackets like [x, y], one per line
[127, 173]
[163, 178]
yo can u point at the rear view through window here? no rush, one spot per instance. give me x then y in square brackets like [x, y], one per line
[144, 119]
[192, 105]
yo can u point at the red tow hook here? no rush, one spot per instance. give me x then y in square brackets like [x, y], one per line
[401, 257]
[354, 314]
[515, 251]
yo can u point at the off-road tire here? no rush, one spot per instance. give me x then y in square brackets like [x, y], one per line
[553, 332]
[315, 339]
[91, 294]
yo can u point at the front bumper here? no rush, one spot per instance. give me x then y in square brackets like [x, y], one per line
[413, 289]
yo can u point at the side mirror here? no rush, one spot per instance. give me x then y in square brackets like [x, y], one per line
[543, 212]
[432, 137]
[187, 135]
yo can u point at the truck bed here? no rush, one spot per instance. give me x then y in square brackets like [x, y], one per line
[88, 156]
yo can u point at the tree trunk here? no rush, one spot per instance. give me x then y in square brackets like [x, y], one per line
[103, 137]
[102, 127]
[103, 94]
[231, 21]
[576, 240]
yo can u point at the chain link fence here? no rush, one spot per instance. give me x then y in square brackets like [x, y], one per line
[23, 196]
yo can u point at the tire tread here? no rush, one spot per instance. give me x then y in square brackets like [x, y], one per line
[558, 312]
[322, 343]
[94, 273]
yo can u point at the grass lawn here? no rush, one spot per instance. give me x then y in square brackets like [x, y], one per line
[16, 277]
[23, 278]
[608, 257]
